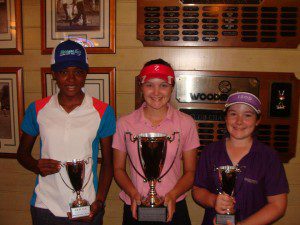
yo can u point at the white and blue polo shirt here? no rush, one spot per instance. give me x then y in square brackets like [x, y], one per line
[64, 137]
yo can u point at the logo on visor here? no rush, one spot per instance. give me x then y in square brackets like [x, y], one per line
[170, 79]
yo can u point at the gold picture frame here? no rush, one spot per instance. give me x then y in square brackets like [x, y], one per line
[11, 110]
[11, 27]
[88, 22]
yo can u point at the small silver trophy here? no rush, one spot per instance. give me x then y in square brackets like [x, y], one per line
[76, 173]
[152, 150]
[227, 177]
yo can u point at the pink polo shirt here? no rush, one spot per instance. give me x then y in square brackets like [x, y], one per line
[136, 123]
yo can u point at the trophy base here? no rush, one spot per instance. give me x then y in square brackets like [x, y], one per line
[157, 214]
[222, 218]
[80, 211]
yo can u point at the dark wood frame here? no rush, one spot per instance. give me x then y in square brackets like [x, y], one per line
[19, 37]
[93, 50]
[20, 102]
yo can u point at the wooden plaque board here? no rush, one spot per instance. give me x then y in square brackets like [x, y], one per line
[202, 95]
[242, 23]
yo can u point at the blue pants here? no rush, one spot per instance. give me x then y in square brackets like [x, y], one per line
[45, 217]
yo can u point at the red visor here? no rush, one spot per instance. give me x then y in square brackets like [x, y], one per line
[160, 71]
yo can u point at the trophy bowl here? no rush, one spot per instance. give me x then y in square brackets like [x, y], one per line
[76, 172]
[227, 177]
[152, 154]
[152, 150]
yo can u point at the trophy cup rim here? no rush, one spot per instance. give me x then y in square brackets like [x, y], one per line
[227, 168]
[75, 161]
[152, 135]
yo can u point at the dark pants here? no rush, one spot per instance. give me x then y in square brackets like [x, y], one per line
[45, 217]
[180, 217]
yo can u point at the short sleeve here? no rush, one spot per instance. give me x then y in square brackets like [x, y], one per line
[118, 140]
[275, 179]
[30, 125]
[108, 123]
[191, 135]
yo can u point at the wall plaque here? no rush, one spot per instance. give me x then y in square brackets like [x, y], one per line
[239, 23]
[278, 92]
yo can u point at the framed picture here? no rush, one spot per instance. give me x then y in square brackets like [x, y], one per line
[10, 27]
[11, 110]
[100, 83]
[88, 22]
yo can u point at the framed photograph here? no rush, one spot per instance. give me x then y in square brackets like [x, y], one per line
[11, 110]
[10, 27]
[100, 83]
[88, 22]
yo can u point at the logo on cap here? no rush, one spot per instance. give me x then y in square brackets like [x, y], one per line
[70, 52]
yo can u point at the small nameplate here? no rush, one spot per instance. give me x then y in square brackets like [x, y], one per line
[158, 214]
[222, 219]
[80, 211]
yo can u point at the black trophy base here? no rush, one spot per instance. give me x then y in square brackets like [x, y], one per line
[157, 214]
[222, 218]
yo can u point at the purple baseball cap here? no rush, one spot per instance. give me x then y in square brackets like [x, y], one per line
[244, 98]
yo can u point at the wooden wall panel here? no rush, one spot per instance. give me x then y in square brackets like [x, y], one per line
[33, 19]
[16, 184]
[32, 38]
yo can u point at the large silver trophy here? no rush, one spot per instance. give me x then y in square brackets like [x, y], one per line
[152, 150]
[227, 177]
[76, 172]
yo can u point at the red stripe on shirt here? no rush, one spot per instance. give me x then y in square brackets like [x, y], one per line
[99, 106]
[39, 104]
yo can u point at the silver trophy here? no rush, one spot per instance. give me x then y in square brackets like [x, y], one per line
[227, 177]
[152, 150]
[76, 173]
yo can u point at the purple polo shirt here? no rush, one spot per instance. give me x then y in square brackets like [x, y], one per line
[262, 175]
[136, 123]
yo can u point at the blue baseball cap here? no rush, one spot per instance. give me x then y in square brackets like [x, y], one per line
[69, 53]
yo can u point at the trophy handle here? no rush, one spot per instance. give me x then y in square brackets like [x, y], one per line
[63, 164]
[216, 169]
[170, 139]
[237, 169]
[132, 139]
[87, 162]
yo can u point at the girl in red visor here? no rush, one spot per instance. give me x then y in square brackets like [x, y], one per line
[156, 115]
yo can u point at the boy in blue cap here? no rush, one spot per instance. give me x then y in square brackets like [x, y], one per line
[70, 124]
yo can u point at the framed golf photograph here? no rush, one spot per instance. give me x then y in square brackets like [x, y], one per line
[11, 110]
[100, 83]
[10, 27]
[88, 22]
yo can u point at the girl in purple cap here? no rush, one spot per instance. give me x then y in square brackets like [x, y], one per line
[261, 187]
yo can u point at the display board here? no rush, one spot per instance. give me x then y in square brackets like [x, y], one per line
[239, 23]
[202, 94]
